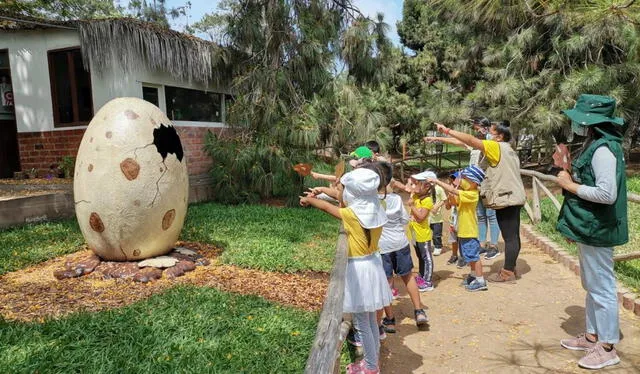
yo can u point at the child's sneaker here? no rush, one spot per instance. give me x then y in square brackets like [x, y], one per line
[383, 335]
[452, 260]
[461, 263]
[483, 249]
[476, 285]
[421, 317]
[354, 338]
[419, 281]
[467, 280]
[389, 324]
[394, 293]
[437, 251]
[492, 253]
[428, 286]
[356, 367]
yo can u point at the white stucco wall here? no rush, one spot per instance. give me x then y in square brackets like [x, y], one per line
[32, 88]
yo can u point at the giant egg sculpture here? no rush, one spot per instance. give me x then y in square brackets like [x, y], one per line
[131, 183]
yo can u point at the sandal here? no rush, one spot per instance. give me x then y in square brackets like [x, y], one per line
[421, 317]
[389, 324]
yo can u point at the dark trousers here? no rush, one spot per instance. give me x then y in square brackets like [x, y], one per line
[437, 234]
[509, 222]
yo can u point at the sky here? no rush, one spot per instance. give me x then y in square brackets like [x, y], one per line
[392, 10]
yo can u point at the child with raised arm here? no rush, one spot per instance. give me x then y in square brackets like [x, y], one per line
[469, 246]
[366, 288]
[395, 249]
[420, 204]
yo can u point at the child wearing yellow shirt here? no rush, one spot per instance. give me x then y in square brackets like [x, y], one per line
[469, 246]
[420, 205]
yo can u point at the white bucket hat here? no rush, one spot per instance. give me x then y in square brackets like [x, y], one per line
[361, 196]
[424, 176]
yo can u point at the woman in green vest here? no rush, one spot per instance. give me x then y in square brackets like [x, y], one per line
[594, 215]
[501, 190]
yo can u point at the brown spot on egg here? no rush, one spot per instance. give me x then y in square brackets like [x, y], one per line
[161, 170]
[136, 202]
[130, 114]
[109, 134]
[130, 168]
[91, 140]
[168, 218]
[136, 252]
[90, 168]
[153, 122]
[95, 222]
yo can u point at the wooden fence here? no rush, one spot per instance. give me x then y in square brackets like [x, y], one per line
[332, 330]
[535, 214]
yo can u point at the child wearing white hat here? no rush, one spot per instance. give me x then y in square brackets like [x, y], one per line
[366, 287]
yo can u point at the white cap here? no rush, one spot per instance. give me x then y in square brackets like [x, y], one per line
[424, 176]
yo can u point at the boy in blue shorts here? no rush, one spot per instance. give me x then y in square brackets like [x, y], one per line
[469, 246]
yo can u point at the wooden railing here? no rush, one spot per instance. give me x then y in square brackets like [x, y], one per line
[535, 213]
[332, 330]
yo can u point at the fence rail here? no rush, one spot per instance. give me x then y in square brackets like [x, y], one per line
[332, 330]
[535, 214]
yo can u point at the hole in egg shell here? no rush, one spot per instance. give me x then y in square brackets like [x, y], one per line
[166, 140]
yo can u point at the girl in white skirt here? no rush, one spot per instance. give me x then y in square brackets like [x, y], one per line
[366, 288]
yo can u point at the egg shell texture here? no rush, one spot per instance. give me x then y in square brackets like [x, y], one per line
[131, 183]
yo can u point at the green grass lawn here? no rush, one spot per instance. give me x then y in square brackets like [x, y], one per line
[256, 236]
[184, 330]
[628, 272]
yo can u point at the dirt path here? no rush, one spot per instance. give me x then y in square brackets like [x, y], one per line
[507, 329]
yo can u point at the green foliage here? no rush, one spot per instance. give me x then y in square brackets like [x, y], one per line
[33, 243]
[267, 238]
[523, 60]
[67, 165]
[628, 272]
[184, 330]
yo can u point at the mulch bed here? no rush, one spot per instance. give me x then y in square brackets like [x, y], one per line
[33, 294]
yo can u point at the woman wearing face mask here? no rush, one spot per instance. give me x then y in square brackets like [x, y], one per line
[502, 189]
[487, 221]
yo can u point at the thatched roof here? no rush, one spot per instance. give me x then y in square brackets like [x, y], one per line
[129, 43]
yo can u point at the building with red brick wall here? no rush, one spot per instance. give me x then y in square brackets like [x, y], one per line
[55, 75]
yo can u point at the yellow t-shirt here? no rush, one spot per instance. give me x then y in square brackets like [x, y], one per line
[467, 218]
[492, 151]
[422, 230]
[356, 237]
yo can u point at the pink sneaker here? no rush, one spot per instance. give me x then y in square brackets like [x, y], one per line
[579, 343]
[356, 367]
[395, 293]
[598, 358]
[419, 281]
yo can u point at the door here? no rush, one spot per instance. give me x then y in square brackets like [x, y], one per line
[9, 158]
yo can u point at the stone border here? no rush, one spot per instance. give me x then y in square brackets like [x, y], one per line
[629, 300]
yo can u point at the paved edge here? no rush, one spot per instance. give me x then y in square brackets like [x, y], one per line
[629, 300]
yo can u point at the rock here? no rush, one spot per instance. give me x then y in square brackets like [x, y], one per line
[147, 274]
[187, 252]
[186, 265]
[112, 269]
[65, 274]
[173, 272]
[180, 256]
[159, 262]
[88, 265]
[202, 261]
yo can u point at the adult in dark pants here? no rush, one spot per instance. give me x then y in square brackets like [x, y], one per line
[594, 215]
[501, 190]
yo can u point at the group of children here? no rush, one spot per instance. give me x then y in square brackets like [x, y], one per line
[375, 221]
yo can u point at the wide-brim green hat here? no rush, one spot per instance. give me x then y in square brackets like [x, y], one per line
[591, 110]
[361, 152]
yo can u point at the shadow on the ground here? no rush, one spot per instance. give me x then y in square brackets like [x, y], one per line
[522, 267]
